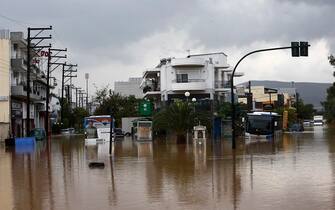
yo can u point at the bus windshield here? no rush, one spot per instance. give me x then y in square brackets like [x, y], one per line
[259, 124]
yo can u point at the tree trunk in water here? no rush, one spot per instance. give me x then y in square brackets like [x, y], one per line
[181, 139]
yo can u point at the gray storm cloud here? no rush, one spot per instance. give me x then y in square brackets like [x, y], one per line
[101, 33]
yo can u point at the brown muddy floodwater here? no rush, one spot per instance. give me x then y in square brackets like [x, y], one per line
[295, 172]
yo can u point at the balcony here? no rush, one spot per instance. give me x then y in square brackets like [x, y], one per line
[19, 64]
[20, 91]
[220, 84]
[191, 84]
[188, 62]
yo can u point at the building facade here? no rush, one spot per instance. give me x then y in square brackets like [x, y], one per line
[19, 87]
[204, 76]
[4, 84]
[262, 96]
[130, 87]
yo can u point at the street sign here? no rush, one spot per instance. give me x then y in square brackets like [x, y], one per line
[145, 108]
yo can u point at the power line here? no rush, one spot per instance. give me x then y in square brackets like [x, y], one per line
[19, 22]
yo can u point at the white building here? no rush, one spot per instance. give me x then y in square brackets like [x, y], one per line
[130, 87]
[205, 76]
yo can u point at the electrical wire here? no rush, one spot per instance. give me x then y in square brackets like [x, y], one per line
[24, 24]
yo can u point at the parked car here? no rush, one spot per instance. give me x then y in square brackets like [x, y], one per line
[307, 123]
[38, 133]
[67, 131]
[296, 127]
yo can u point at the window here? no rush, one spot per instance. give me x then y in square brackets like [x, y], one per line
[182, 78]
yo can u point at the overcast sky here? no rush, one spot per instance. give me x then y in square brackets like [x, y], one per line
[117, 39]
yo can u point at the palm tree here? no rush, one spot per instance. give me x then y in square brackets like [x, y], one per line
[179, 117]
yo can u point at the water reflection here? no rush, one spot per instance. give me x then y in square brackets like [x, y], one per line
[163, 175]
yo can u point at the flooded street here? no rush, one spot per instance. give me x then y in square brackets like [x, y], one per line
[295, 172]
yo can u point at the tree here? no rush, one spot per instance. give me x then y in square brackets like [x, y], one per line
[117, 105]
[101, 94]
[78, 115]
[304, 111]
[329, 104]
[179, 117]
[67, 115]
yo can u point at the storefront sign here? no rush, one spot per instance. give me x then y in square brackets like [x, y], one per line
[16, 106]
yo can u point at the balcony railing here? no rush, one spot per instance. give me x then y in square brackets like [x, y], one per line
[222, 84]
[21, 91]
[150, 88]
[190, 84]
[188, 81]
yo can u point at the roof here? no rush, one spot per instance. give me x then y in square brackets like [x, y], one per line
[207, 54]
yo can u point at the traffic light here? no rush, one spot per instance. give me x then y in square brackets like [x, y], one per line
[303, 48]
[295, 49]
[299, 49]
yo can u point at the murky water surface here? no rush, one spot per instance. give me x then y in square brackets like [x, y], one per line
[295, 172]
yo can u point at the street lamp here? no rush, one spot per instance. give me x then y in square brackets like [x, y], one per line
[187, 94]
[194, 100]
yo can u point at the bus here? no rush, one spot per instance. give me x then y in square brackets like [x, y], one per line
[263, 124]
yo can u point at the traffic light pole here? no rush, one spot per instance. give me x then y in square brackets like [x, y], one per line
[233, 108]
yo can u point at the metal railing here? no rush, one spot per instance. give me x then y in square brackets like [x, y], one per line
[222, 84]
[188, 80]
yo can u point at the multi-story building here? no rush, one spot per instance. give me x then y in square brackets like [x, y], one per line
[130, 87]
[19, 87]
[204, 76]
[4, 84]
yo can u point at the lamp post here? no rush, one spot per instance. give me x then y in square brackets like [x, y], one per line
[193, 101]
[187, 94]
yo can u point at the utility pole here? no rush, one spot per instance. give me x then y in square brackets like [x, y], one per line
[32, 46]
[50, 51]
[297, 104]
[70, 70]
[77, 95]
[86, 77]
[81, 97]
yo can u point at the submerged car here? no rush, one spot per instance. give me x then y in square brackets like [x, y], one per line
[296, 127]
[38, 133]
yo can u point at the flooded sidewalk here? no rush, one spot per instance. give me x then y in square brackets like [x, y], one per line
[293, 172]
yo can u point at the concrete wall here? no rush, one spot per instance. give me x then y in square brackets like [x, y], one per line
[4, 84]
[130, 87]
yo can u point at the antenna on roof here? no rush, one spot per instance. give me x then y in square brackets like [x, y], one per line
[189, 52]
